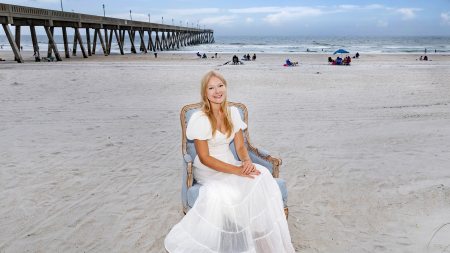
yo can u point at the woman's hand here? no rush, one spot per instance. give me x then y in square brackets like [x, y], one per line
[248, 169]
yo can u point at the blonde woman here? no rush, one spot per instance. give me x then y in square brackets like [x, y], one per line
[239, 207]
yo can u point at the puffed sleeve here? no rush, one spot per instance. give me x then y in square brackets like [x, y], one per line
[198, 127]
[238, 123]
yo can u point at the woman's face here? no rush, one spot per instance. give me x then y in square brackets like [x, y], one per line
[216, 91]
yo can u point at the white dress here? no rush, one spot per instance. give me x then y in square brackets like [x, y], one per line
[232, 213]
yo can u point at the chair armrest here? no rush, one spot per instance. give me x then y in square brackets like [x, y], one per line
[187, 158]
[264, 154]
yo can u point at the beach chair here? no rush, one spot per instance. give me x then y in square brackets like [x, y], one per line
[190, 188]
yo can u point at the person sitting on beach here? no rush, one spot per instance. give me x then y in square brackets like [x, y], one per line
[239, 208]
[338, 61]
[289, 63]
[204, 56]
[235, 60]
[357, 55]
[199, 55]
[425, 58]
[330, 60]
[254, 57]
[421, 58]
[347, 60]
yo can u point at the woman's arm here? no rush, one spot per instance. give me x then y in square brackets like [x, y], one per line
[241, 150]
[203, 154]
[247, 165]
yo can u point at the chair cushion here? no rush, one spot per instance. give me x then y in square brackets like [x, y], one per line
[193, 191]
[192, 194]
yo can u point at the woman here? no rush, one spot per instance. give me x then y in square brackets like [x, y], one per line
[239, 207]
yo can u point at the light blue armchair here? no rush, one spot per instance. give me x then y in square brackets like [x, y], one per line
[190, 188]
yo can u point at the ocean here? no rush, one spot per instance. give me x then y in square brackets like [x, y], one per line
[286, 45]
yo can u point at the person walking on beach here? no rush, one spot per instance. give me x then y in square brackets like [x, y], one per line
[239, 207]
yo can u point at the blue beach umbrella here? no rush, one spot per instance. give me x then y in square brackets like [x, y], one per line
[341, 51]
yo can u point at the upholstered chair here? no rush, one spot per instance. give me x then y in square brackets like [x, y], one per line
[190, 188]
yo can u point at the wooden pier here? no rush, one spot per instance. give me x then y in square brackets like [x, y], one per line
[159, 36]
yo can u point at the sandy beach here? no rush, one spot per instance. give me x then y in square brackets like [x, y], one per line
[90, 151]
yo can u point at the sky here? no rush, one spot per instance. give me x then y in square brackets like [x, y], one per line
[277, 18]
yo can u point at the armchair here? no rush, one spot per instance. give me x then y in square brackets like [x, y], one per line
[190, 188]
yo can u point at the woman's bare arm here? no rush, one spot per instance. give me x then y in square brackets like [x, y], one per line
[240, 146]
[247, 165]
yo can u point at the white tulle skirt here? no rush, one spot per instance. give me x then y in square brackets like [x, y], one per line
[234, 214]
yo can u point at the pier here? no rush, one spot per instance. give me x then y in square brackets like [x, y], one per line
[160, 37]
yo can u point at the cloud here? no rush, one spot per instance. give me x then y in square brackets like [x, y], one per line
[218, 20]
[348, 7]
[408, 13]
[290, 14]
[190, 12]
[255, 10]
[249, 20]
[445, 18]
[374, 6]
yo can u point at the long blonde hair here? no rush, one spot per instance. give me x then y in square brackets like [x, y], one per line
[206, 107]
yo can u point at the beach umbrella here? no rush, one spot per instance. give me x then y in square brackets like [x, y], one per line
[341, 51]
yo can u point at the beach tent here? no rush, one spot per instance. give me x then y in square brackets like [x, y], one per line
[341, 51]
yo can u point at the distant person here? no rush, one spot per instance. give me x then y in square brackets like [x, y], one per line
[199, 55]
[347, 60]
[254, 57]
[425, 50]
[204, 56]
[290, 63]
[235, 60]
[357, 55]
[425, 58]
[215, 55]
[37, 57]
[421, 58]
[156, 55]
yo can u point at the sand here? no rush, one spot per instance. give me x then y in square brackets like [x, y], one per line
[90, 151]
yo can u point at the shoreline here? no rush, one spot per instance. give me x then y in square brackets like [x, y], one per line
[183, 56]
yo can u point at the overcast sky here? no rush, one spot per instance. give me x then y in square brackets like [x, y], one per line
[282, 17]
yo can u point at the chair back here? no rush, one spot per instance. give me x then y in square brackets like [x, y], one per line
[189, 187]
